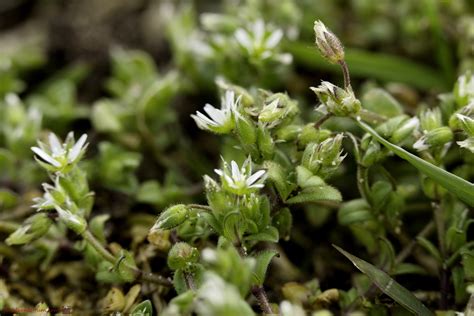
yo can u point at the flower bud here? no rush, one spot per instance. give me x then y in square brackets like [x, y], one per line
[309, 134]
[72, 221]
[434, 138]
[245, 129]
[277, 108]
[339, 102]
[265, 142]
[430, 119]
[468, 143]
[33, 228]
[306, 178]
[182, 255]
[287, 133]
[467, 124]
[324, 158]
[327, 43]
[464, 89]
[171, 217]
[405, 130]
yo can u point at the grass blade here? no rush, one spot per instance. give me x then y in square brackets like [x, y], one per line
[388, 285]
[461, 188]
[374, 65]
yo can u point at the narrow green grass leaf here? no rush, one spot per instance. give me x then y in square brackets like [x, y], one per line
[373, 65]
[461, 188]
[388, 285]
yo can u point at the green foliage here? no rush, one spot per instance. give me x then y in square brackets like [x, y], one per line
[159, 207]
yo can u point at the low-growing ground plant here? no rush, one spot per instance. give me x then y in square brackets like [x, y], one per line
[360, 205]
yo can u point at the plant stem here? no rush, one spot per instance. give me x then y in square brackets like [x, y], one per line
[323, 119]
[363, 183]
[346, 74]
[97, 245]
[407, 250]
[259, 292]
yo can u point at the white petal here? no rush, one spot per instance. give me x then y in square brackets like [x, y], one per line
[77, 148]
[259, 31]
[253, 178]
[55, 145]
[219, 172]
[274, 39]
[204, 119]
[46, 157]
[244, 39]
[235, 171]
[215, 114]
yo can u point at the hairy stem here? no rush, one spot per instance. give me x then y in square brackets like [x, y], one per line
[259, 292]
[346, 74]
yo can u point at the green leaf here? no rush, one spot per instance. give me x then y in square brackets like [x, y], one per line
[263, 261]
[388, 285]
[143, 309]
[428, 246]
[316, 194]
[355, 211]
[461, 188]
[379, 101]
[409, 268]
[269, 233]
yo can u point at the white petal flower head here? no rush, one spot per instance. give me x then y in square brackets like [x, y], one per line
[259, 42]
[219, 121]
[241, 181]
[57, 156]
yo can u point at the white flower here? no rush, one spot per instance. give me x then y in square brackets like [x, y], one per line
[421, 144]
[258, 42]
[57, 156]
[219, 121]
[241, 181]
[468, 143]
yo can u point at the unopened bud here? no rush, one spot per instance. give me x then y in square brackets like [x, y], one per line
[339, 102]
[434, 138]
[72, 221]
[182, 255]
[464, 89]
[328, 44]
[405, 130]
[430, 119]
[171, 217]
[245, 129]
[33, 228]
[467, 124]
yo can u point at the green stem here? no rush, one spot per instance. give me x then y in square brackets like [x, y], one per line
[97, 245]
[454, 257]
[363, 183]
